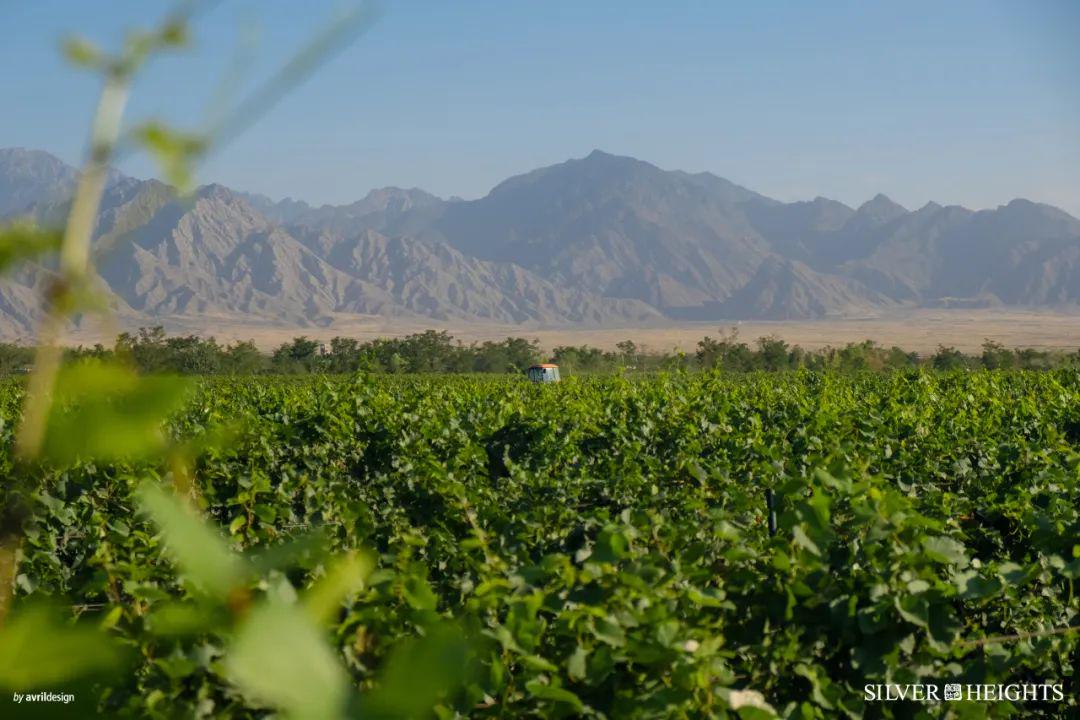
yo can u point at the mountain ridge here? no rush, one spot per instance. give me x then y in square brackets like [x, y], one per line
[603, 239]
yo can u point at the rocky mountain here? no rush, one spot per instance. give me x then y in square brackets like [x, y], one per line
[786, 289]
[602, 240]
[28, 177]
[436, 280]
[31, 177]
[376, 210]
[616, 225]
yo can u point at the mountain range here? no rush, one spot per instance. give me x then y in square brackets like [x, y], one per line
[601, 240]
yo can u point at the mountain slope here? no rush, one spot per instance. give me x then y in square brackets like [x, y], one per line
[602, 239]
[32, 177]
[29, 177]
[1019, 254]
[800, 230]
[615, 225]
[216, 254]
[436, 280]
[785, 289]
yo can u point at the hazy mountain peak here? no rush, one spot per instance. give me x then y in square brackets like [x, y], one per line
[32, 177]
[598, 155]
[880, 209]
[1023, 206]
[593, 173]
[28, 177]
[827, 207]
[216, 191]
[31, 157]
[1038, 219]
[599, 160]
[280, 211]
[402, 198]
[880, 202]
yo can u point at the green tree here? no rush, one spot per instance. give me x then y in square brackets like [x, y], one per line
[243, 358]
[193, 355]
[15, 359]
[726, 353]
[509, 355]
[145, 349]
[301, 354]
[948, 358]
[897, 358]
[1032, 359]
[582, 358]
[628, 350]
[344, 355]
[996, 356]
[773, 354]
[429, 351]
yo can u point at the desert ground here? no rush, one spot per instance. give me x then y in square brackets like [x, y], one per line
[922, 331]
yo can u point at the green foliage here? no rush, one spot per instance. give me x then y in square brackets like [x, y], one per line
[22, 241]
[727, 353]
[995, 356]
[417, 675]
[151, 350]
[83, 53]
[277, 656]
[39, 648]
[202, 555]
[948, 358]
[345, 576]
[173, 150]
[15, 359]
[107, 412]
[258, 645]
[596, 548]
[279, 659]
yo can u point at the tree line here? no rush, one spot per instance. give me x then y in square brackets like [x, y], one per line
[152, 350]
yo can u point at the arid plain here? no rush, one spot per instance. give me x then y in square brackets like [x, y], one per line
[919, 330]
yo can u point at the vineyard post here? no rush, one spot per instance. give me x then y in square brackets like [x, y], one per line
[770, 505]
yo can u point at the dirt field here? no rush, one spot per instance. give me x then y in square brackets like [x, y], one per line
[921, 331]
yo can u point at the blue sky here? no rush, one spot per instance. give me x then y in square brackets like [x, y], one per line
[960, 102]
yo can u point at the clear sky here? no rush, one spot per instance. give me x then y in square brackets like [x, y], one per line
[960, 102]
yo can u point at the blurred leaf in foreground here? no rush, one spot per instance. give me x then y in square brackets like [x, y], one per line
[418, 674]
[174, 152]
[23, 241]
[201, 553]
[280, 659]
[105, 411]
[37, 649]
[83, 53]
[345, 576]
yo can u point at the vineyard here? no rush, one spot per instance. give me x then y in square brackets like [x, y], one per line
[597, 548]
